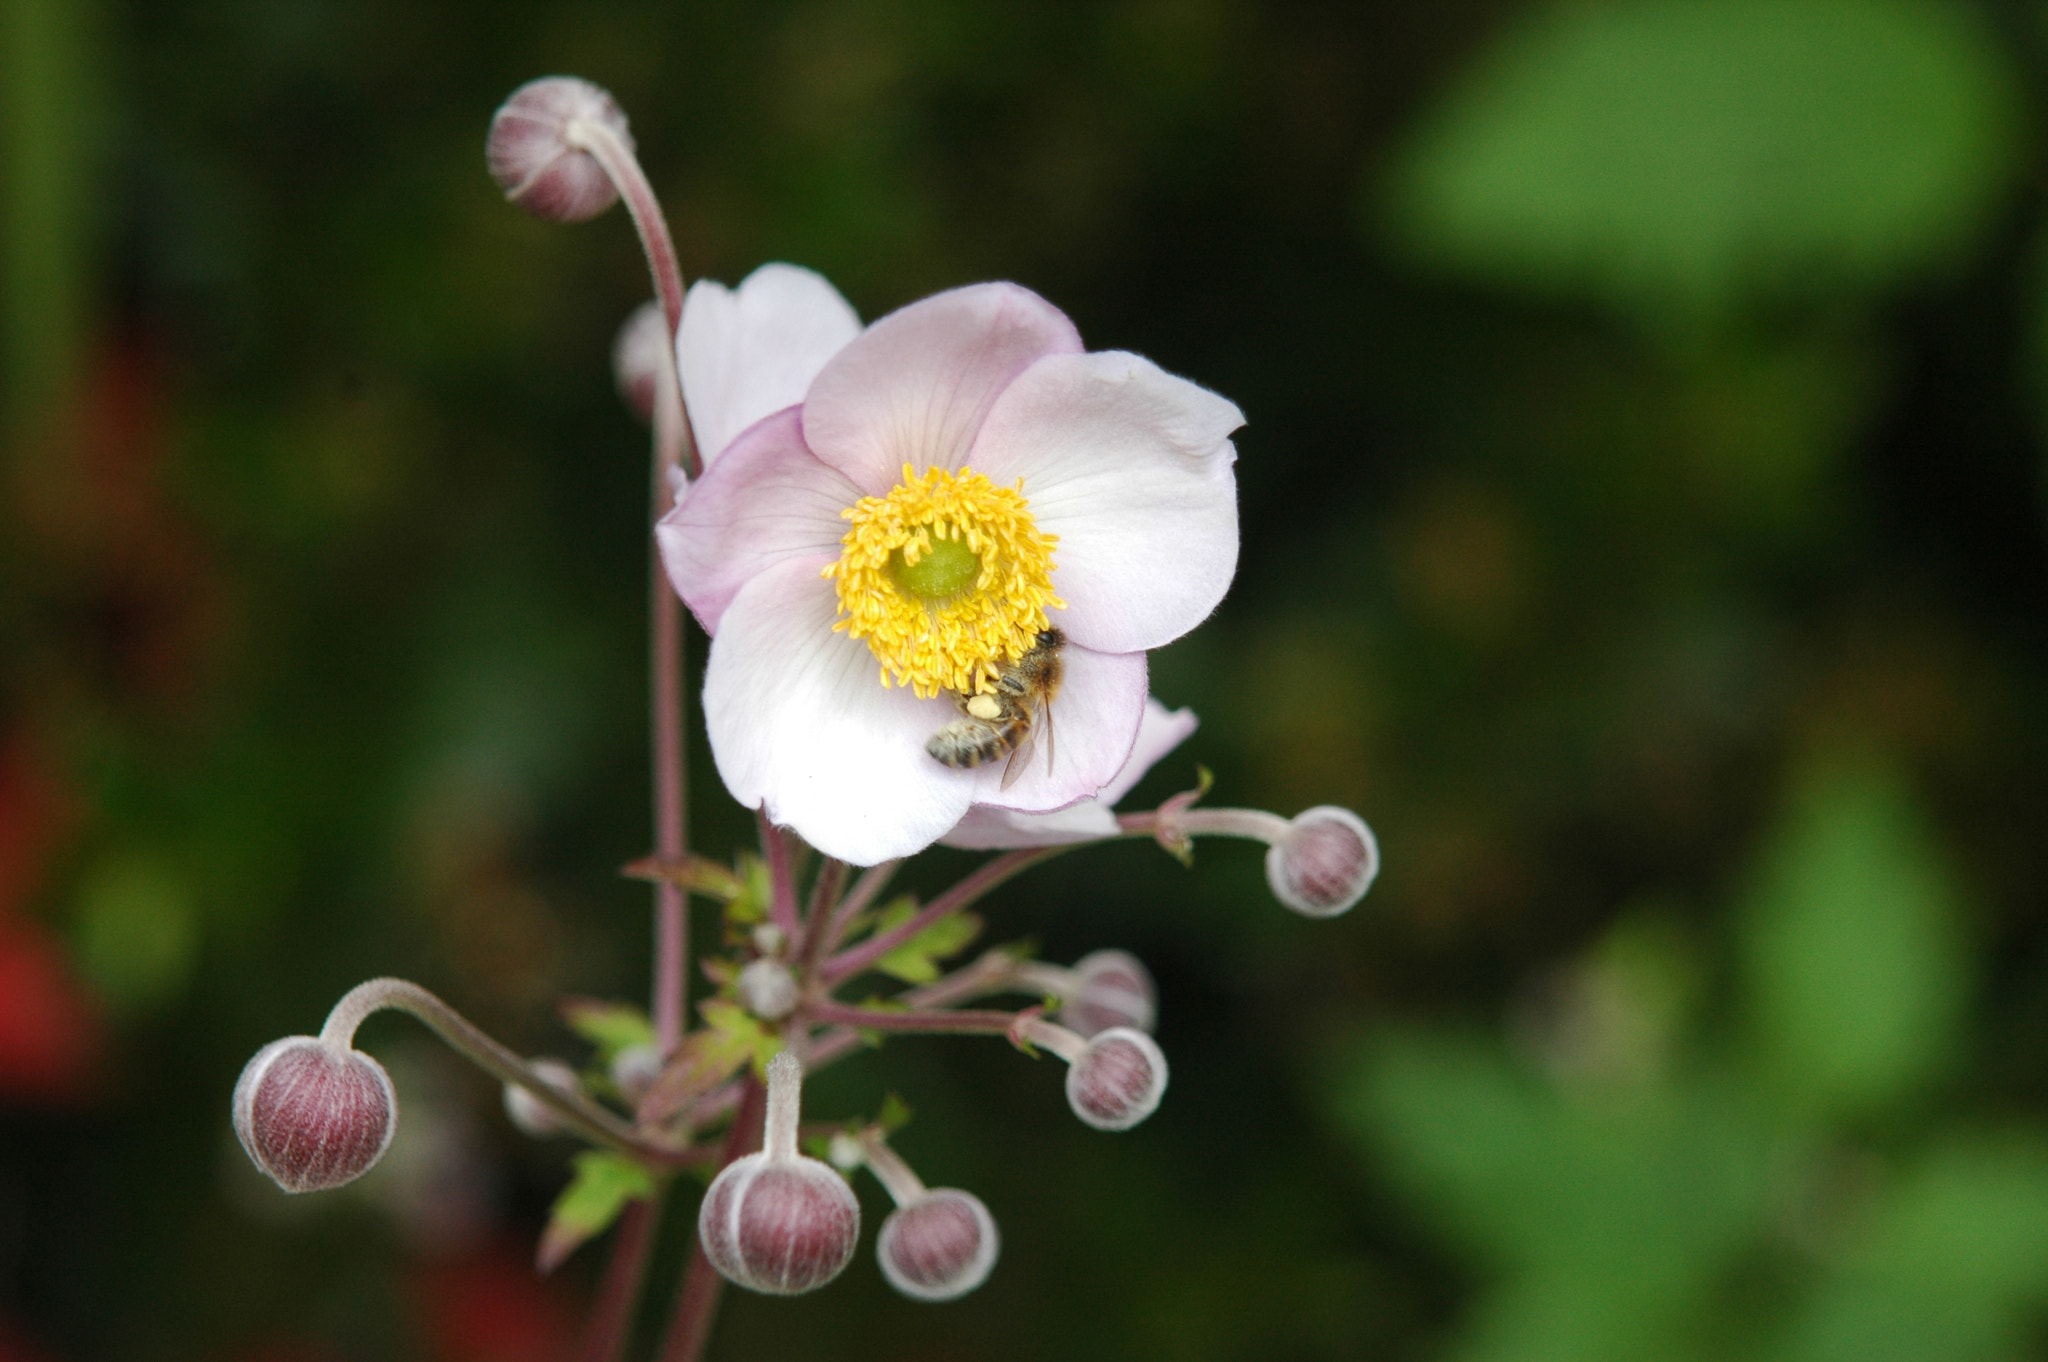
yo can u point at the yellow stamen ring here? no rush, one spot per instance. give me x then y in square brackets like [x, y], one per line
[947, 578]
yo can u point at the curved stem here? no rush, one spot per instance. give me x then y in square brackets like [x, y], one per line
[574, 1110]
[992, 873]
[1255, 824]
[624, 171]
[903, 1185]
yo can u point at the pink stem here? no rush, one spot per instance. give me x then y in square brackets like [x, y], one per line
[992, 873]
[778, 848]
[932, 1022]
[690, 1326]
[611, 1317]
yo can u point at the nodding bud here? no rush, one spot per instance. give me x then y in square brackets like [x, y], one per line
[537, 161]
[767, 989]
[1117, 1079]
[1111, 988]
[640, 358]
[776, 1221]
[938, 1246]
[634, 1069]
[1325, 862]
[314, 1115]
[528, 1112]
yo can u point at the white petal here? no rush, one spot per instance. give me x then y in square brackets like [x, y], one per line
[802, 726]
[746, 353]
[766, 500]
[988, 829]
[915, 387]
[1131, 468]
[1094, 725]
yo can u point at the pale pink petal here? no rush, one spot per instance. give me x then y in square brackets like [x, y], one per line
[746, 353]
[767, 500]
[1095, 722]
[915, 387]
[1159, 732]
[801, 724]
[1131, 468]
[986, 828]
[990, 829]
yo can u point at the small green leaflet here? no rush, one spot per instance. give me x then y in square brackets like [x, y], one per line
[598, 1190]
[741, 1034]
[750, 905]
[916, 960]
[611, 1027]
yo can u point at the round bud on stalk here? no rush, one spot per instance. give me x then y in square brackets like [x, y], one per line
[639, 357]
[535, 159]
[767, 989]
[1117, 1079]
[1325, 863]
[529, 1113]
[1111, 988]
[314, 1115]
[777, 1221]
[939, 1246]
[634, 1069]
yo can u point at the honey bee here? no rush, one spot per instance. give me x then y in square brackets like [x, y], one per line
[1011, 718]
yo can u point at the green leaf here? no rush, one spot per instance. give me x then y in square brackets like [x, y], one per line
[739, 1032]
[1685, 159]
[1855, 968]
[1951, 1267]
[750, 905]
[916, 960]
[895, 1114]
[610, 1026]
[598, 1190]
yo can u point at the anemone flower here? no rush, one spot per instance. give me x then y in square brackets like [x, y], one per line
[888, 520]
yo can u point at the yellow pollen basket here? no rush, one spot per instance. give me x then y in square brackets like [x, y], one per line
[947, 578]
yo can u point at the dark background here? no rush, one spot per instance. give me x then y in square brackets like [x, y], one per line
[1643, 529]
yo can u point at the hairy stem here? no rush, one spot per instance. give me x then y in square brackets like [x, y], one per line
[577, 1112]
[992, 873]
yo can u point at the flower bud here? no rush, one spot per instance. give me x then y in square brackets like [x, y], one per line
[1325, 863]
[314, 1115]
[939, 1246]
[639, 357]
[634, 1069]
[533, 158]
[776, 1221]
[1117, 1079]
[767, 989]
[529, 1113]
[1111, 988]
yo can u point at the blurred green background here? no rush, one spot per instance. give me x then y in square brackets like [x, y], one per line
[1643, 528]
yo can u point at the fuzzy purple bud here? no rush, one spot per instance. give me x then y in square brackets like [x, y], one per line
[1325, 863]
[1117, 1079]
[529, 1113]
[537, 160]
[1111, 988]
[767, 989]
[939, 1246]
[777, 1221]
[640, 359]
[314, 1115]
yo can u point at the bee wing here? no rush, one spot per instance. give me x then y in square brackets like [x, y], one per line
[1020, 757]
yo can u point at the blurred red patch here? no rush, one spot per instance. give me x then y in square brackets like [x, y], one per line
[493, 1307]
